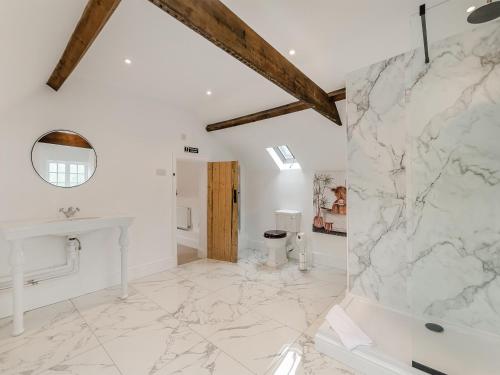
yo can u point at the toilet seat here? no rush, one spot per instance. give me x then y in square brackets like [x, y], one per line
[275, 234]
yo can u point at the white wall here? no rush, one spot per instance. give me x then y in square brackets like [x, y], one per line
[133, 137]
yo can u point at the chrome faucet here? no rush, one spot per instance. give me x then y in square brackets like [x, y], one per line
[69, 212]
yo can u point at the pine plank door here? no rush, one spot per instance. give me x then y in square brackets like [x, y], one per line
[223, 210]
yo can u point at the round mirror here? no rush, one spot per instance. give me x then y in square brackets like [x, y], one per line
[64, 158]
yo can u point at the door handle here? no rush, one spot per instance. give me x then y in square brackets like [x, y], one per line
[235, 196]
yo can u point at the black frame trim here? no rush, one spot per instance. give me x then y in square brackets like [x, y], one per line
[426, 369]
[424, 32]
[62, 130]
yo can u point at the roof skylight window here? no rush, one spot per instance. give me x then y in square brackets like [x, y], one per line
[283, 157]
[285, 152]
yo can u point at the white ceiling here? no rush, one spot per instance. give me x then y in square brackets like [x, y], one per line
[173, 64]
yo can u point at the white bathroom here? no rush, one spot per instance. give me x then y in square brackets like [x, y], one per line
[233, 187]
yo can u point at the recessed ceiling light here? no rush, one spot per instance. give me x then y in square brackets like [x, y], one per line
[127, 61]
[471, 9]
[208, 92]
[291, 52]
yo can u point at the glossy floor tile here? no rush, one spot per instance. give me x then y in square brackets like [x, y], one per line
[210, 313]
[256, 340]
[54, 334]
[147, 351]
[93, 362]
[110, 317]
[172, 295]
[203, 317]
[204, 358]
[293, 310]
[301, 358]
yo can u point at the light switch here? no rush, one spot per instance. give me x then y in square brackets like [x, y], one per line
[161, 172]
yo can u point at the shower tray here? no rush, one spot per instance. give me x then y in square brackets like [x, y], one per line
[400, 338]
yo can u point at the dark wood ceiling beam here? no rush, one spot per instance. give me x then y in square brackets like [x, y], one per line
[335, 96]
[217, 23]
[93, 19]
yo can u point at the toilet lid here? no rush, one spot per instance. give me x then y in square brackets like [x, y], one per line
[275, 234]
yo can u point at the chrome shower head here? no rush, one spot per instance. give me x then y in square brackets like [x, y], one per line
[488, 12]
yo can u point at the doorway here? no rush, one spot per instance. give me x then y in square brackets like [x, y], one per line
[206, 214]
[190, 209]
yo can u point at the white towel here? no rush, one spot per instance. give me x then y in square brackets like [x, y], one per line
[350, 334]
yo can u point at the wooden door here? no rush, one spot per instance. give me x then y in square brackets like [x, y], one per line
[222, 210]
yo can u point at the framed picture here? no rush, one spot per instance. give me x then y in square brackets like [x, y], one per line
[330, 203]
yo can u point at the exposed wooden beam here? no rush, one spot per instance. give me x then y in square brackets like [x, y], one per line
[94, 17]
[65, 139]
[217, 23]
[335, 96]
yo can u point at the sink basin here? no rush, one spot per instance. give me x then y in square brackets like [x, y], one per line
[73, 219]
[61, 227]
[17, 232]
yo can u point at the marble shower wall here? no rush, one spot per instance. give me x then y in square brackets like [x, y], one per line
[454, 130]
[424, 181]
[377, 182]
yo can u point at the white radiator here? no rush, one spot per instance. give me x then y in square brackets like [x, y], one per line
[183, 218]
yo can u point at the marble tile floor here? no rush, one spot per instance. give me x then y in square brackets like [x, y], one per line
[204, 317]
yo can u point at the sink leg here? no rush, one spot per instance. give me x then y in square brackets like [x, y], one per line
[17, 265]
[123, 240]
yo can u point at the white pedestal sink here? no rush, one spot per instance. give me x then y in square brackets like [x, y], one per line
[17, 232]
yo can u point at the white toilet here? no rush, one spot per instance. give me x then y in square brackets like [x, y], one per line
[278, 240]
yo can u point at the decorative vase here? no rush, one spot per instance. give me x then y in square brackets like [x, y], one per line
[318, 222]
